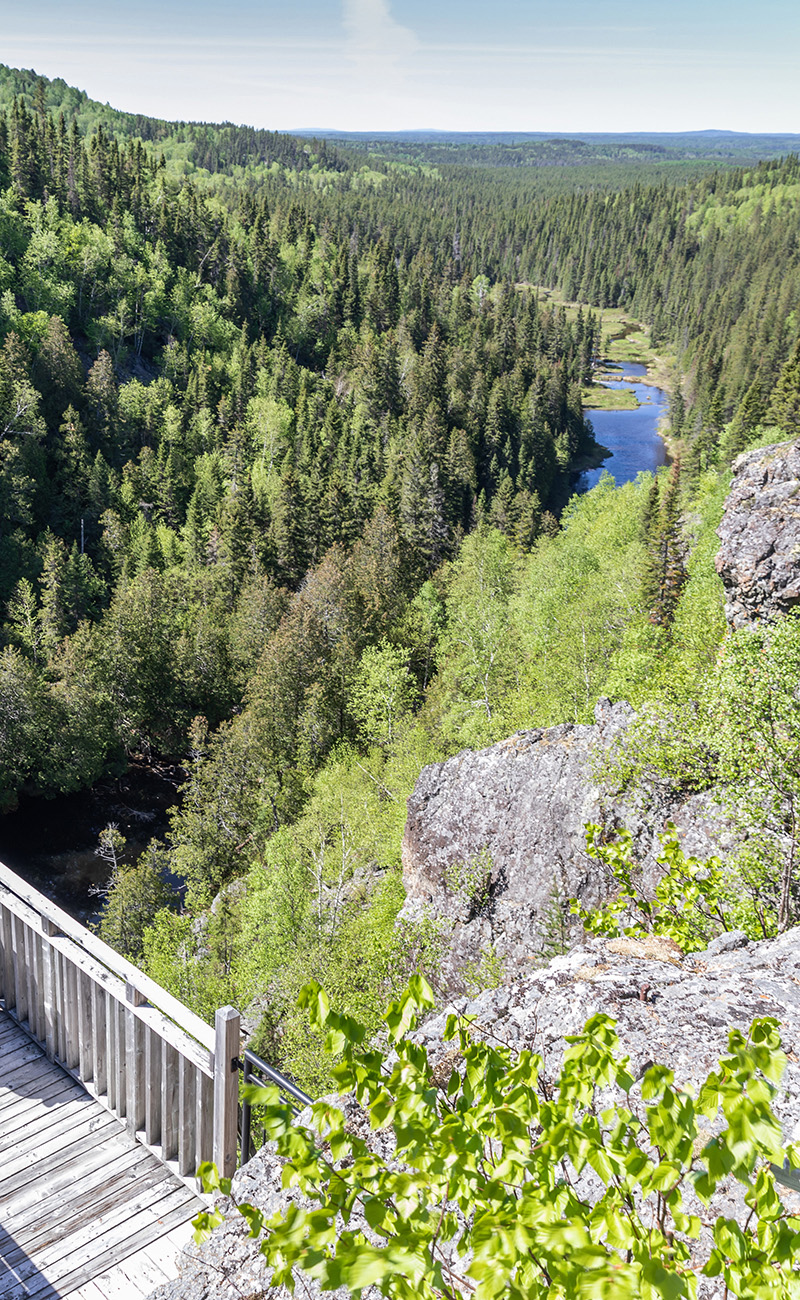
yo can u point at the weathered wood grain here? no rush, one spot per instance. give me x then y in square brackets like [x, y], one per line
[87, 1212]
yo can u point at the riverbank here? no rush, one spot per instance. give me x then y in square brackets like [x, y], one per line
[633, 432]
[624, 340]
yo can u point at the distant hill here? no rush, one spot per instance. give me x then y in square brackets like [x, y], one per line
[188, 146]
[541, 149]
[217, 154]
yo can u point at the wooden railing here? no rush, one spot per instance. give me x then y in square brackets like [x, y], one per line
[149, 1059]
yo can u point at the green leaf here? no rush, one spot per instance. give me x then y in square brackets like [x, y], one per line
[254, 1218]
[211, 1181]
[205, 1223]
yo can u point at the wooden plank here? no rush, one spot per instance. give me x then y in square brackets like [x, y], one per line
[37, 1068]
[134, 1279]
[34, 1144]
[18, 889]
[141, 1236]
[118, 1016]
[42, 1126]
[55, 1094]
[169, 1102]
[89, 1188]
[40, 1017]
[226, 1090]
[13, 1290]
[112, 1140]
[35, 1120]
[48, 1090]
[91, 1291]
[111, 1202]
[71, 1184]
[20, 978]
[24, 1153]
[20, 1054]
[50, 999]
[204, 1124]
[85, 1026]
[137, 1276]
[152, 1102]
[107, 1236]
[99, 1041]
[62, 1050]
[7, 943]
[167, 1249]
[111, 1051]
[40, 1093]
[79, 1172]
[187, 1112]
[31, 990]
[72, 1049]
[134, 1062]
[167, 1028]
[7, 1023]
[13, 1045]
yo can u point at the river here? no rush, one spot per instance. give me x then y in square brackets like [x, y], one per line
[631, 436]
[52, 842]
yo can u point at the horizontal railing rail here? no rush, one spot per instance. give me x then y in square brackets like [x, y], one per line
[256, 1070]
[151, 1061]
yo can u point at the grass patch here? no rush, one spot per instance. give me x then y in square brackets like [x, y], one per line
[599, 398]
[622, 339]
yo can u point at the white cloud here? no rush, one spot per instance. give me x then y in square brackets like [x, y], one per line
[379, 49]
[371, 28]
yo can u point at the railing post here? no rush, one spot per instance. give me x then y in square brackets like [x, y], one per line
[49, 992]
[226, 1089]
[134, 1061]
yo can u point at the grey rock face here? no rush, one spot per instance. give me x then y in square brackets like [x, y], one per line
[759, 560]
[495, 839]
[726, 942]
[668, 1009]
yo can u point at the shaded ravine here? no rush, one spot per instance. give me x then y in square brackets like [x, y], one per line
[52, 842]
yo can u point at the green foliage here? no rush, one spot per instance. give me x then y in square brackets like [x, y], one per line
[693, 900]
[483, 1190]
[740, 732]
[580, 592]
[478, 645]
[280, 463]
[756, 717]
[382, 693]
[133, 895]
[470, 880]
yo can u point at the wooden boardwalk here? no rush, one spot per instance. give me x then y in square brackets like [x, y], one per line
[85, 1210]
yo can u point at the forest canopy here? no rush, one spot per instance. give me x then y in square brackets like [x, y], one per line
[287, 437]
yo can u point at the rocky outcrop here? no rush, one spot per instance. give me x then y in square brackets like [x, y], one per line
[759, 560]
[669, 1009]
[495, 842]
[228, 1266]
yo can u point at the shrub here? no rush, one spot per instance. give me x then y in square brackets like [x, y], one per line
[483, 1194]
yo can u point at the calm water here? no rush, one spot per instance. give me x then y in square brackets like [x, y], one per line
[631, 436]
[52, 842]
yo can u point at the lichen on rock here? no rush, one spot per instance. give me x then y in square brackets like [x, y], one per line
[759, 560]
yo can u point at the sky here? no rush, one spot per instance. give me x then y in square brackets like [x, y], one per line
[383, 65]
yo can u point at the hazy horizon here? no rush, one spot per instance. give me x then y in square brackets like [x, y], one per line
[401, 65]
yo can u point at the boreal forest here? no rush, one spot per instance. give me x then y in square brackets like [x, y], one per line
[288, 433]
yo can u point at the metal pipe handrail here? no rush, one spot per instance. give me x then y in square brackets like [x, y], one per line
[251, 1065]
